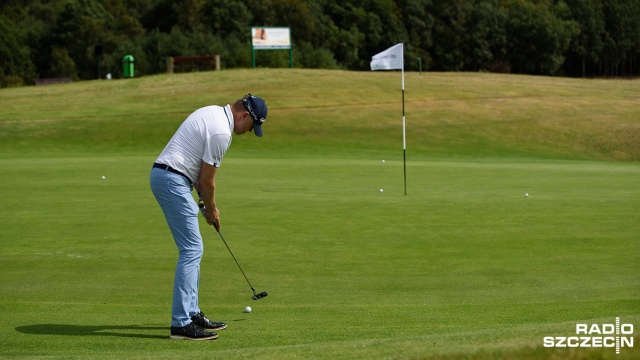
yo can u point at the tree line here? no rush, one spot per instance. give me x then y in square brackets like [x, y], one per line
[84, 38]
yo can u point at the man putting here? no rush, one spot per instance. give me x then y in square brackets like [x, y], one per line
[192, 157]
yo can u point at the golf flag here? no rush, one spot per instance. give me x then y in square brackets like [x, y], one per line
[390, 59]
[393, 59]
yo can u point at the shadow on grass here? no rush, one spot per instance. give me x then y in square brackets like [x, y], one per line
[126, 331]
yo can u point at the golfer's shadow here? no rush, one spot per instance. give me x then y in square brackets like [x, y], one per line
[82, 330]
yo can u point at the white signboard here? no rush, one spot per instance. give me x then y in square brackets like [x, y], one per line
[270, 38]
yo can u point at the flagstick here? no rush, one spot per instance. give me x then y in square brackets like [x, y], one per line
[388, 60]
[404, 133]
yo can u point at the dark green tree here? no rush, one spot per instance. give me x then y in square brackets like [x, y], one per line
[45, 38]
[538, 39]
[418, 23]
[227, 17]
[449, 29]
[621, 52]
[61, 64]
[16, 68]
[486, 40]
[585, 52]
[81, 26]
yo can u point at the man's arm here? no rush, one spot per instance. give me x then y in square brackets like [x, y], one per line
[206, 187]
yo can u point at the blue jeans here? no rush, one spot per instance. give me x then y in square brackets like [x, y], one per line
[173, 193]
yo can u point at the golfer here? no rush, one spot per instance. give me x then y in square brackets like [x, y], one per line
[192, 158]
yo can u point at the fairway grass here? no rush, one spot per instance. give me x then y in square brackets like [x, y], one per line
[462, 267]
[464, 263]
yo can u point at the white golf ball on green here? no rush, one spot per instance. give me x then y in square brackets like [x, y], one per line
[247, 309]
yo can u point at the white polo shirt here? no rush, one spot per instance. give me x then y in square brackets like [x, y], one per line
[204, 136]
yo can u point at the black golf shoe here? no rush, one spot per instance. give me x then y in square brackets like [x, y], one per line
[191, 332]
[200, 320]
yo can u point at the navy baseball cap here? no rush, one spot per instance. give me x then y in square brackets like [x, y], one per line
[258, 110]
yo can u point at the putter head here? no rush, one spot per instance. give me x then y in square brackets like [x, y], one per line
[259, 296]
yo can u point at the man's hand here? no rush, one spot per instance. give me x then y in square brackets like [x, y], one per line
[213, 218]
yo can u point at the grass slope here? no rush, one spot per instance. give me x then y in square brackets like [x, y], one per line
[463, 267]
[338, 112]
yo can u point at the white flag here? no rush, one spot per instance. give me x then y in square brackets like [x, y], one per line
[390, 59]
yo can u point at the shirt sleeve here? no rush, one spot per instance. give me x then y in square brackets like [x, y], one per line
[214, 149]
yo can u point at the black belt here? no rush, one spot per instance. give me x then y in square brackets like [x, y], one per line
[170, 169]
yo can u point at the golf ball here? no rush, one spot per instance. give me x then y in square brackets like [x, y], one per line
[103, 177]
[526, 194]
[381, 190]
[383, 161]
[247, 309]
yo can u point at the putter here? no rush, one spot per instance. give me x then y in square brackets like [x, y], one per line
[255, 296]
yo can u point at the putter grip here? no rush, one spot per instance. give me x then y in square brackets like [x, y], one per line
[203, 210]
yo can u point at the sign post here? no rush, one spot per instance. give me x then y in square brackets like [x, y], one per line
[271, 38]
